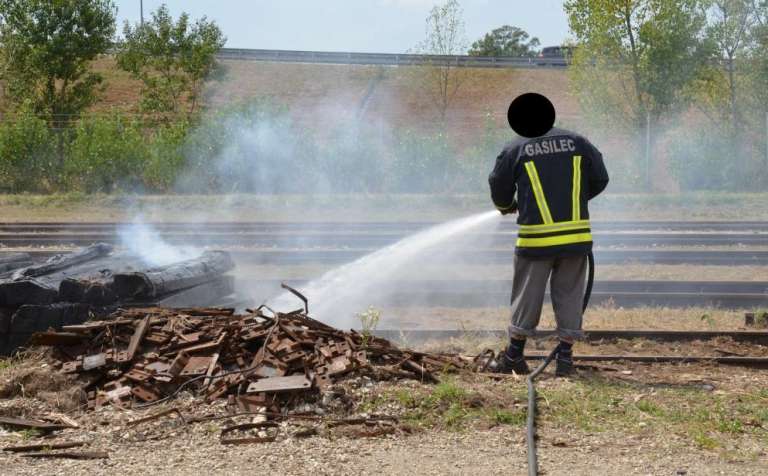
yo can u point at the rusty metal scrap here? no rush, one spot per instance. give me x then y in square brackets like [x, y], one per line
[29, 424]
[45, 446]
[69, 455]
[255, 361]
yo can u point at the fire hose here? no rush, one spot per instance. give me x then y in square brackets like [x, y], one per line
[530, 437]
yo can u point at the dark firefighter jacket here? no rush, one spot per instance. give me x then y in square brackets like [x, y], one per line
[554, 176]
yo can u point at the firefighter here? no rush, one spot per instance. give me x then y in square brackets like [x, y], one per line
[546, 176]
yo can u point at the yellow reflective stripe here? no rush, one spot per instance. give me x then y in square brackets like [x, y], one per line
[554, 240]
[559, 226]
[538, 192]
[576, 187]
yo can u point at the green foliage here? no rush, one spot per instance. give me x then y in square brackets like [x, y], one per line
[27, 154]
[46, 48]
[423, 161]
[106, 154]
[635, 61]
[166, 157]
[506, 41]
[172, 59]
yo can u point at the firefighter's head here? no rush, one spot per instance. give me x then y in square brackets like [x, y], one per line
[531, 115]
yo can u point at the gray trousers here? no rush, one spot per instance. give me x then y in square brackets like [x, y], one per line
[567, 283]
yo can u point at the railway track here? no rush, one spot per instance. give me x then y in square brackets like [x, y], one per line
[373, 240]
[422, 335]
[289, 257]
[415, 336]
[496, 293]
[369, 227]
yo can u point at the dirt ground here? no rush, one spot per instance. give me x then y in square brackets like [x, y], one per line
[627, 419]
[596, 317]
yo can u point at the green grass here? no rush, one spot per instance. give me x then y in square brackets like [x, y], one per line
[706, 420]
[450, 404]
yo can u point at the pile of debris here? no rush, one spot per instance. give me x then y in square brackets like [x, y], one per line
[274, 361]
[70, 288]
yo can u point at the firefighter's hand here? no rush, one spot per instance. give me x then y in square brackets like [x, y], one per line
[509, 211]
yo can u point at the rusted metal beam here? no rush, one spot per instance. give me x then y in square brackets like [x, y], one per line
[44, 446]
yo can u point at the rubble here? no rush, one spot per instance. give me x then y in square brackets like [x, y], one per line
[257, 362]
[92, 282]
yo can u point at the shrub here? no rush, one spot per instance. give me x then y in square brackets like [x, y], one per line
[106, 154]
[27, 155]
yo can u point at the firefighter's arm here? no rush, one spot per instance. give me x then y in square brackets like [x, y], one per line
[598, 175]
[502, 182]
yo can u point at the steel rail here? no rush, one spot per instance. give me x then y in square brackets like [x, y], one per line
[286, 257]
[597, 335]
[370, 240]
[743, 361]
[370, 227]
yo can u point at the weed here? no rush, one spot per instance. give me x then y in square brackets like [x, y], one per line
[30, 433]
[705, 441]
[507, 417]
[647, 406]
[369, 319]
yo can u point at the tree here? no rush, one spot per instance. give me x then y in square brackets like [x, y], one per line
[729, 29]
[172, 59]
[506, 41]
[46, 47]
[444, 36]
[636, 59]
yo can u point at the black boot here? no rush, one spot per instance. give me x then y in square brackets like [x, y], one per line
[512, 359]
[564, 359]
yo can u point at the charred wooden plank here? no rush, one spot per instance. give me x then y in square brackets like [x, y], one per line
[59, 262]
[164, 280]
[14, 257]
[33, 318]
[205, 294]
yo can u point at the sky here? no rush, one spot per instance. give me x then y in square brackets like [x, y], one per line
[384, 26]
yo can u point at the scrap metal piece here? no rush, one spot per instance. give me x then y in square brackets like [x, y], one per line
[44, 446]
[136, 339]
[69, 455]
[196, 366]
[145, 393]
[50, 338]
[280, 384]
[28, 424]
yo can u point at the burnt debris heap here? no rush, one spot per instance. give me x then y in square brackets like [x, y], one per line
[257, 360]
[71, 288]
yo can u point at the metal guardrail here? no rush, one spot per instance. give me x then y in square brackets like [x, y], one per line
[388, 59]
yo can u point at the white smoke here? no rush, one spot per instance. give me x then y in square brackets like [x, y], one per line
[143, 240]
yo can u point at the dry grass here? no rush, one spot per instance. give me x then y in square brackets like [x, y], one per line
[596, 317]
[28, 376]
